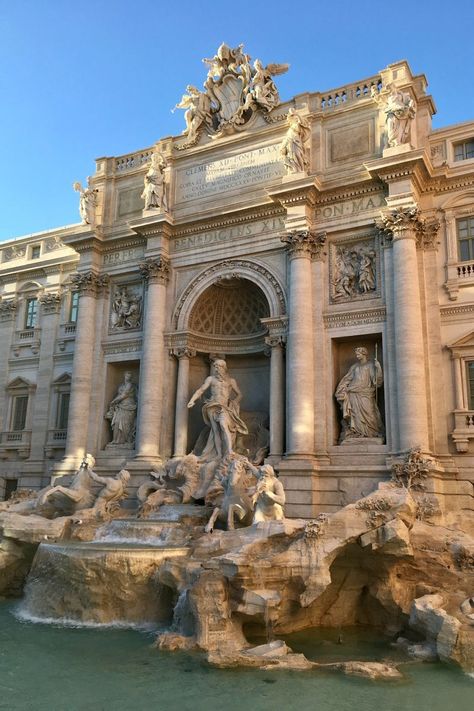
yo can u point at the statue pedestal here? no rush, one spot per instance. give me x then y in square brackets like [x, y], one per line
[362, 444]
[396, 150]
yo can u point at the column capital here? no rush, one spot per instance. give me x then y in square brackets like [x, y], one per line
[89, 283]
[183, 352]
[155, 269]
[407, 223]
[51, 301]
[8, 309]
[275, 340]
[305, 243]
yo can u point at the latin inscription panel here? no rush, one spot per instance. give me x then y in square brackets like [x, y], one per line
[234, 173]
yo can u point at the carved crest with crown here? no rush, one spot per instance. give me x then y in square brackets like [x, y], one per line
[234, 90]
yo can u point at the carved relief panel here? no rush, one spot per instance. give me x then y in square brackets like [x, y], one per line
[354, 270]
[126, 307]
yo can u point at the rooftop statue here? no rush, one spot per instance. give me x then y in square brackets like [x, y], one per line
[234, 90]
[293, 150]
[87, 202]
[154, 190]
[400, 110]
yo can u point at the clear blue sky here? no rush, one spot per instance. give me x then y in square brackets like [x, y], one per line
[83, 80]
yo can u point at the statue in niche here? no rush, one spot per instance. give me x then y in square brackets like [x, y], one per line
[356, 394]
[221, 412]
[399, 110]
[198, 111]
[354, 271]
[87, 202]
[293, 150]
[112, 493]
[268, 498]
[122, 414]
[66, 500]
[154, 191]
[126, 310]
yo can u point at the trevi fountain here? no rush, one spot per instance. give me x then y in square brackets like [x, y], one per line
[248, 508]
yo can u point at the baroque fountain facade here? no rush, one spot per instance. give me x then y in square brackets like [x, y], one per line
[253, 325]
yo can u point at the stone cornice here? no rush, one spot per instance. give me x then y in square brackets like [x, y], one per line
[341, 319]
[158, 226]
[155, 269]
[292, 193]
[345, 193]
[305, 243]
[124, 243]
[414, 165]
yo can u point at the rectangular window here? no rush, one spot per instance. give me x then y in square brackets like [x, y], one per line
[36, 251]
[63, 411]
[465, 229]
[20, 406]
[470, 383]
[31, 315]
[74, 307]
[464, 150]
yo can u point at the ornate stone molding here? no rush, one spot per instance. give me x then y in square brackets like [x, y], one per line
[305, 243]
[155, 269]
[51, 302]
[128, 346]
[89, 283]
[275, 340]
[428, 233]
[342, 319]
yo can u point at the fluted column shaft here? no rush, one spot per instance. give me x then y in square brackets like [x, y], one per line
[150, 401]
[90, 286]
[182, 396]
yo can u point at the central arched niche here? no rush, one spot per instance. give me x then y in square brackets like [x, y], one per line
[229, 311]
[230, 307]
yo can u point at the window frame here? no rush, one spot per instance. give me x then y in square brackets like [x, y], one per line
[31, 323]
[73, 307]
[463, 145]
[469, 219]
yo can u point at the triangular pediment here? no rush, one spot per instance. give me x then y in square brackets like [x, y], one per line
[464, 342]
[64, 379]
[20, 383]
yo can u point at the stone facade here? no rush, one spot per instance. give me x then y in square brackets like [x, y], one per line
[283, 272]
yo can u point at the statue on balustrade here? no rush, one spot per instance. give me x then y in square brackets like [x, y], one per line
[400, 110]
[221, 412]
[356, 394]
[293, 149]
[122, 414]
[87, 202]
[154, 191]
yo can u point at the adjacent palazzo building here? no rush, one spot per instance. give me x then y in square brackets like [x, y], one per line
[280, 244]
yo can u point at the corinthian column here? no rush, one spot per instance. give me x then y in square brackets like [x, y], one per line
[90, 286]
[182, 396]
[406, 228]
[156, 273]
[302, 247]
[277, 394]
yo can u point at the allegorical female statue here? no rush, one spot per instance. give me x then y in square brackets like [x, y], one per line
[87, 201]
[356, 394]
[122, 413]
[154, 190]
[293, 149]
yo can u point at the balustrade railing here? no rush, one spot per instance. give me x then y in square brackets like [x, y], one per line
[337, 98]
[465, 270]
[132, 160]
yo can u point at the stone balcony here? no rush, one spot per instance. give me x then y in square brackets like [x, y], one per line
[463, 429]
[18, 441]
[66, 337]
[26, 342]
[55, 442]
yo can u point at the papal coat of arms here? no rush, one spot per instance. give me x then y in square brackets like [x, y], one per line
[234, 89]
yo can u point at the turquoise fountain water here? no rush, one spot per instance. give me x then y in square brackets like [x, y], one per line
[53, 668]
